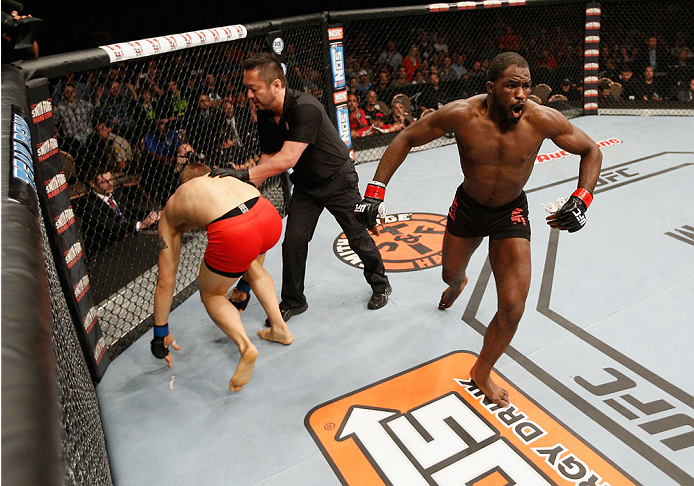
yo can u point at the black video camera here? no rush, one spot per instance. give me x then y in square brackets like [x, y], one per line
[23, 32]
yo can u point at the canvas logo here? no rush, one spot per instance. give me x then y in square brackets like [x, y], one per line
[335, 34]
[56, 185]
[42, 111]
[64, 220]
[428, 425]
[407, 242]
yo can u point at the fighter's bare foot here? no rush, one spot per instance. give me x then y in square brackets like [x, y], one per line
[277, 337]
[490, 389]
[450, 294]
[243, 369]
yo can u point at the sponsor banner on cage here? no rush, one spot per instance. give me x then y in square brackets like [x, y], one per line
[335, 34]
[158, 45]
[53, 196]
[343, 124]
[431, 424]
[337, 61]
[22, 164]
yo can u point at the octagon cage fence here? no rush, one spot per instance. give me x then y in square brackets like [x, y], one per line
[137, 112]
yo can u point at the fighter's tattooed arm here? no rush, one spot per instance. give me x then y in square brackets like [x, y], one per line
[162, 244]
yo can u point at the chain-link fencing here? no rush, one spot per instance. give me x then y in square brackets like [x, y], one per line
[128, 129]
[646, 60]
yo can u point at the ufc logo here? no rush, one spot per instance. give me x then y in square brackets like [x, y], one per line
[443, 442]
[580, 217]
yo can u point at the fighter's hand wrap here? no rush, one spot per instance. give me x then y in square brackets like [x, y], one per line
[240, 174]
[572, 215]
[372, 206]
[157, 345]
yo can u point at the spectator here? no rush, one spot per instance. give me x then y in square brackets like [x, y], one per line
[610, 72]
[459, 64]
[117, 151]
[400, 118]
[231, 146]
[82, 89]
[149, 108]
[412, 62]
[681, 71]
[352, 83]
[419, 77]
[647, 88]
[433, 96]
[203, 127]
[628, 83]
[383, 82]
[364, 84]
[212, 92]
[373, 106]
[652, 55]
[74, 116]
[447, 72]
[116, 109]
[358, 124]
[390, 56]
[687, 94]
[509, 41]
[106, 218]
[401, 79]
[175, 104]
[159, 151]
[426, 47]
[604, 93]
[441, 44]
[568, 90]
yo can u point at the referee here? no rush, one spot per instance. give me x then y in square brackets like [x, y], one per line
[296, 133]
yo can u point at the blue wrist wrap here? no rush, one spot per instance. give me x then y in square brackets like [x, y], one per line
[243, 286]
[161, 331]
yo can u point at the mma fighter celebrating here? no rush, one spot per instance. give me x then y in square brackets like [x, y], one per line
[499, 135]
[241, 226]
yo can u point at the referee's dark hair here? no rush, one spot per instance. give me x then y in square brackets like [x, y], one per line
[268, 67]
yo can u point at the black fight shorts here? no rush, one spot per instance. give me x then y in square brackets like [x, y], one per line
[467, 218]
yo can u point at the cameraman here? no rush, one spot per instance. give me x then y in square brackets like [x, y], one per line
[19, 33]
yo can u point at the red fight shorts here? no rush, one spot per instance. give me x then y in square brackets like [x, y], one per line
[237, 238]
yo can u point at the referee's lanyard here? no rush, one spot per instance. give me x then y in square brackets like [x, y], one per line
[115, 207]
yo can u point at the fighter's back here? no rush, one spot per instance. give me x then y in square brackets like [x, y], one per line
[203, 199]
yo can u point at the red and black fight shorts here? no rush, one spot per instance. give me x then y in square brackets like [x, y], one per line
[467, 218]
[237, 238]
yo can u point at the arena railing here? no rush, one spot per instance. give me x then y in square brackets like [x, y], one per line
[120, 108]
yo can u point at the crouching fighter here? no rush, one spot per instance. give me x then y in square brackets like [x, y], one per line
[241, 226]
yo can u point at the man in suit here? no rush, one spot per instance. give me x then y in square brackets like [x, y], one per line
[105, 218]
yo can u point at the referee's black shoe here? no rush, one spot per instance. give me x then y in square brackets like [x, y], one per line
[379, 299]
[288, 313]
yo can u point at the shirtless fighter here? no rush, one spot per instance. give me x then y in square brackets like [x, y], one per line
[498, 134]
[241, 226]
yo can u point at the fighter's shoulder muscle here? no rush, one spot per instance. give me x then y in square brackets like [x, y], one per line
[457, 113]
[547, 120]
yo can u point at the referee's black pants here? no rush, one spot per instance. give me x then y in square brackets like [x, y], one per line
[339, 195]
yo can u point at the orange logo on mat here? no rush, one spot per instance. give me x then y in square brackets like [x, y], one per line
[408, 242]
[432, 425]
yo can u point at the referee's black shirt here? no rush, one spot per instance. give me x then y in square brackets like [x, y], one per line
[304, 120]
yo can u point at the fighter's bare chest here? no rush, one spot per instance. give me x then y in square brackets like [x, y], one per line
[493, 147]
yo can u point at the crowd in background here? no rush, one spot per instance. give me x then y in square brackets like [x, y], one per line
[152, 116]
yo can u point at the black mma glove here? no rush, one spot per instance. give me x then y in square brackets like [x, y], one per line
[157, 345]
[372, 206]
[240, 174]
[572, 215]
